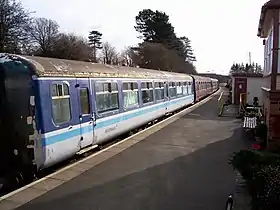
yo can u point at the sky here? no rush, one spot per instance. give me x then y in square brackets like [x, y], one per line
[221, 31]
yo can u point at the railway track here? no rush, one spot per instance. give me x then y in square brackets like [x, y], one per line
[77, 157]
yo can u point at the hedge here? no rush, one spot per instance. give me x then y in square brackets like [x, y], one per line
[261, 171]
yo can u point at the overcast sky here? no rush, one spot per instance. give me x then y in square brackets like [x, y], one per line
[221, 31]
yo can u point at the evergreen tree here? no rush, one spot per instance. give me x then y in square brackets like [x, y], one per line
[154, 27]
[241, 67]
[247, 68]
[258, 69]
[156, 56]
[95, 42]
[253, 68]
[187, 49]
[233, 68]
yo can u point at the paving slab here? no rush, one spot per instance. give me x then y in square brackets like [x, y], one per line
[48, 184]
[8, 205]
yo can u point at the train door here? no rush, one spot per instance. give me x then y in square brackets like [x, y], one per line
[167, 98]
[86, 116]
[197, 90]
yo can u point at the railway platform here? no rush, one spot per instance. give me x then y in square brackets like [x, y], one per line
[180, 163]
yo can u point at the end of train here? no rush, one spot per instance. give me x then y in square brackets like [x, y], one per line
[16, 145]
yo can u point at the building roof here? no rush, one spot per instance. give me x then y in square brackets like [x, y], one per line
[266, 17]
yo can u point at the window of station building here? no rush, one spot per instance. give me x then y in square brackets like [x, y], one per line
[159, 91]
[61, 108]
[179, 88]
[185, 88]
[84, 101]
[147, 92]
[107, 96]
[172, 89]
[130, 95]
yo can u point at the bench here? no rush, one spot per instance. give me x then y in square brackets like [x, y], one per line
[250, 122]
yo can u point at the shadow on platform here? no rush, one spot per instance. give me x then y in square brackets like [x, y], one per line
[199, 180]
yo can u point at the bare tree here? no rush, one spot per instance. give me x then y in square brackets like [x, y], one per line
[70, 46]
[116, 60]
[43, 34]
[13, 22]
[109, 53]
[128, 57]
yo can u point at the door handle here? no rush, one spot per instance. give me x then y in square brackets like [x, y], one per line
[70, 127]
[90, 122]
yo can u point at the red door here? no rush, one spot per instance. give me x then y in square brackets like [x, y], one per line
[240, 86]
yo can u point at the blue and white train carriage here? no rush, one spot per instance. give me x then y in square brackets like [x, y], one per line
[50, 109]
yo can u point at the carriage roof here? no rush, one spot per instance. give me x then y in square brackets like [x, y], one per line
[202, 79]
[52, 67]
[214, 80]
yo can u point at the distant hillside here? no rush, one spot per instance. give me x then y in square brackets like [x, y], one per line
[221, 78]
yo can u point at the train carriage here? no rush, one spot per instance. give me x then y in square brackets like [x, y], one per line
[52, 109]
[202, 87]
[214, 85]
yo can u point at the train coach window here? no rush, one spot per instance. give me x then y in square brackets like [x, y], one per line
[84, 101]
[190, 88]
[130, 94]
[172, 89]
[159, 90]
[106, 97]
[61, 103]
[147, 92]
[179, 89]
[185, 88]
